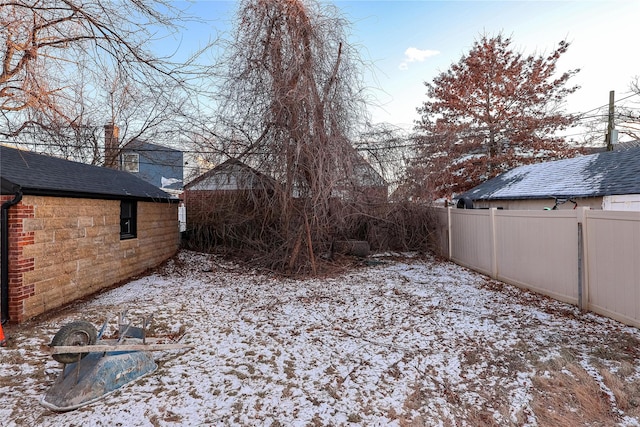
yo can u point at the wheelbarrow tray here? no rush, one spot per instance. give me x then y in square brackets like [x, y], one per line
[92, 367]
[95, 376]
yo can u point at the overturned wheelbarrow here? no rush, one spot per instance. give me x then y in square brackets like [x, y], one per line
[94, 367]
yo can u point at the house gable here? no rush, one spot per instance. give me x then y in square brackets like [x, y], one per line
[159, 165]
[231, 175]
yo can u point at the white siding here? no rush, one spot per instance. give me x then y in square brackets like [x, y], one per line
[627, 202]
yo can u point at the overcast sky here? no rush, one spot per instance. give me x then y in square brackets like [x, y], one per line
[410, 42]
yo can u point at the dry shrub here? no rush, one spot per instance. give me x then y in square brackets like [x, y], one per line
[232, 220]
[409, 226]
[386, 226]
[569, 396]
[248, 226]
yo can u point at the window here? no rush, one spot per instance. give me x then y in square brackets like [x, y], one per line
[128, 219]
[131, 162]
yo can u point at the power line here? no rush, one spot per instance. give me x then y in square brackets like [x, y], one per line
[607, 105]
[403, 145]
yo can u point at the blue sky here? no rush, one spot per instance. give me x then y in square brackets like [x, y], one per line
[410, 42]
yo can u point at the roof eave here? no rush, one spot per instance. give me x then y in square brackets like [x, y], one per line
[95, 196]
[536, 197]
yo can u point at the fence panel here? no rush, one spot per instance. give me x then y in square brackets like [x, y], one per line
[612, 242]
[538, 250]
[471, 239]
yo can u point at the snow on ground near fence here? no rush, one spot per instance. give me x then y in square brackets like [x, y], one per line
[406, 342]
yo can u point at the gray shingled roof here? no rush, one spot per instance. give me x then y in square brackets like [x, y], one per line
[38, 174]
[602, 174]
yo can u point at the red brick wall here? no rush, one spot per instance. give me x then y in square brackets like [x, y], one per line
[18, 263]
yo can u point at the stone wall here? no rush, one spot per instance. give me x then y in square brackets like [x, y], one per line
[62, 249]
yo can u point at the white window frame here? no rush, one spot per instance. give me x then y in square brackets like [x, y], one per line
[131, 162]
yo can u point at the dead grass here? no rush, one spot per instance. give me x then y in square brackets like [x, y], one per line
[566, 395]
[622, 346]
[481, 417]
[625, 388]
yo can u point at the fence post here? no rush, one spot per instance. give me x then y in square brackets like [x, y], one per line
[449, 232]
[580, 266]
[494, 250]
[583, 287]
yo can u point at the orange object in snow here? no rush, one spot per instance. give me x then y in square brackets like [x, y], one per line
[3, 341]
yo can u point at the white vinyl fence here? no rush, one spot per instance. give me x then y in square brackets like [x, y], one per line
[589, 258]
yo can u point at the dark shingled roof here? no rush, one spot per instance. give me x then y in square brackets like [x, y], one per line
[38, 174]
[603, 174]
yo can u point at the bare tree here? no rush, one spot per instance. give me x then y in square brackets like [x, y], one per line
[388, 149]
[628, 116]
[71, 66]
[626, 119]
[292, 104]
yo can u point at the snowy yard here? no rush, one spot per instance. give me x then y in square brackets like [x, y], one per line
[407, 342]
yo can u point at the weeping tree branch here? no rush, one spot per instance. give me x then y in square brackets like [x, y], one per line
[293, 94]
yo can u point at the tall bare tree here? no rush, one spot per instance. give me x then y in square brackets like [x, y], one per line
[292, 104]
[387, 148]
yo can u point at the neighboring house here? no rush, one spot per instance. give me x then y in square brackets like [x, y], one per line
[367, 182]
[159, 165]
[156, 164]
[225, 180]
[608, 180]
[71, 229]
[236, 176]
[232, 175]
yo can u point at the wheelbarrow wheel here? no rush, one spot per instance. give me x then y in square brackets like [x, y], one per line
[76, 333]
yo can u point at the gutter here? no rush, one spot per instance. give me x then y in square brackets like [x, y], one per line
[4, 261]
[100, 196]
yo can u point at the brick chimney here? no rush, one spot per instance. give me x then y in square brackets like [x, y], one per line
[111, 146]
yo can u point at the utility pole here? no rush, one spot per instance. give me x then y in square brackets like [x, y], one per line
[612, 135]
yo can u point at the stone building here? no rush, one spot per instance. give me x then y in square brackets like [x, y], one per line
[70, 230]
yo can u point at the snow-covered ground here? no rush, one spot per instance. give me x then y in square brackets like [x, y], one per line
[405, 342]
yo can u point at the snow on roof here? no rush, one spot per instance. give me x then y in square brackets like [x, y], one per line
[601, 174]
